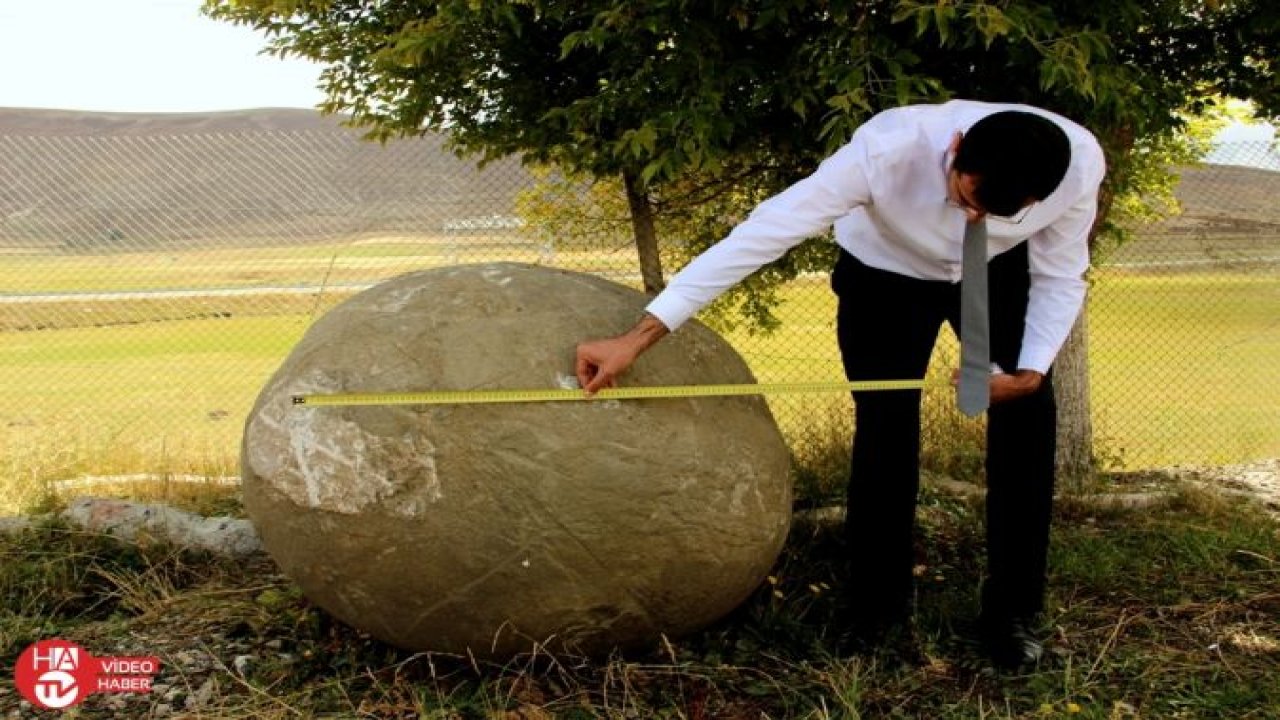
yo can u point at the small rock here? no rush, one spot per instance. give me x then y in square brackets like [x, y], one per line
[162, 710]
[241, 663]
[14, 524]
[203, 694]
[192, 660]
[130, 520]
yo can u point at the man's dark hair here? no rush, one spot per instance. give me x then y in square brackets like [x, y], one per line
[1016, 156]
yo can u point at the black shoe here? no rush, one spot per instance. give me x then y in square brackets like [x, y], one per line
[1011, 642]
[862, 638]
[874, 634]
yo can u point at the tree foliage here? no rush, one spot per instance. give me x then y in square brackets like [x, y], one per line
[1134, 72]
[582, 213]
[701, 107]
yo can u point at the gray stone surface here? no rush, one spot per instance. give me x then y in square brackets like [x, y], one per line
[581, 526]
[127, 519]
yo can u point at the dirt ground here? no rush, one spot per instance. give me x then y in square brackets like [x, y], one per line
[1260, 479]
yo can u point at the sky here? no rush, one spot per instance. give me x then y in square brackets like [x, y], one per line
[140, 56]
[164, 56]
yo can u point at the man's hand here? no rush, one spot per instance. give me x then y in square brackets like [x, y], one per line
[1005, 386]
[600, 362]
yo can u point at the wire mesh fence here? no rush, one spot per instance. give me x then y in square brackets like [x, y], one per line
[150, 283]
[1185, 355]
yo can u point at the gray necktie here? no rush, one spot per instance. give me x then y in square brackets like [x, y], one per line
[975, 336]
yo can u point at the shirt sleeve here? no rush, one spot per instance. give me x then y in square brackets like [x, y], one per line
[803, 210]
[1058, 258]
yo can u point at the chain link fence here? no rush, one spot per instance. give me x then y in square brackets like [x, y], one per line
[1185, 322]
[152, 279]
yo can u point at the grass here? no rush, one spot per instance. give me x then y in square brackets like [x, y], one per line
[166, 398]
[1183, 361]
[1160, 613]
[1184, 371]
[804, 349]
[1185, 367]
[318, 263]
[1166, 612]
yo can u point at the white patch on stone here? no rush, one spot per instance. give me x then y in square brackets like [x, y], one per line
[319, 459]
[736, 501]
[570, 382]
[495, 276]
[305, 445]
[398, 298]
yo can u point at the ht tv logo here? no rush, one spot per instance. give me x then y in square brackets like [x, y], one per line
[56, 674]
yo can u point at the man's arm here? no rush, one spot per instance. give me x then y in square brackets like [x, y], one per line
[805, 209]
[600, 362]
[1007, 386]
[1058, 257]
[777, 224]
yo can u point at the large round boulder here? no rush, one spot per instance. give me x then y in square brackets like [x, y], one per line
[578, 526]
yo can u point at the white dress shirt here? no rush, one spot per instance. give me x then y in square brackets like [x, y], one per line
[885, 193]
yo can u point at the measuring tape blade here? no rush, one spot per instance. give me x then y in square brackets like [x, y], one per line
[481, 397]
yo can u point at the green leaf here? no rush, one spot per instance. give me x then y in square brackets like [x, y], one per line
[685, 94]
[651, 171]
[943, 13]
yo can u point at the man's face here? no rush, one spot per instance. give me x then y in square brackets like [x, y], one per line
[962, 192]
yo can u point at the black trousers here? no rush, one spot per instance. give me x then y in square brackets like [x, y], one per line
[887, 325]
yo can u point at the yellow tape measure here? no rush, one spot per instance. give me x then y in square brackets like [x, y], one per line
[477, 397]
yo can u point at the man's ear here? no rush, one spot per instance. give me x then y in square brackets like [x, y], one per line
[955, 142]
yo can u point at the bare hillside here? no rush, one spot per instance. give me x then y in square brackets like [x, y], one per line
[95, 181]
[71, 123]
[75, 181]
[1230, 194]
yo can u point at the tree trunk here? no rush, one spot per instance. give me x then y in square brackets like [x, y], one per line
[646, 235]
[1075, 423]
[1075, 457]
